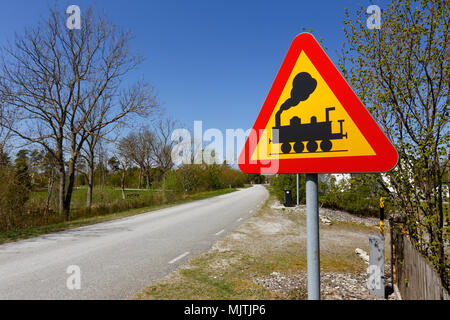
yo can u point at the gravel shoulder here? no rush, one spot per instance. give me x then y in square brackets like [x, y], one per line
[265, 258]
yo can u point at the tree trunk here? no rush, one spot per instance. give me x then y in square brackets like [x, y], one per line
[103, 175]
[122, 184]
[70, 185]
[90, 183]
[51, 181]
[62, 186]
[147, 177]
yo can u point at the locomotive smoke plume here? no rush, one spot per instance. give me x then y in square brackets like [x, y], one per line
[302, 86]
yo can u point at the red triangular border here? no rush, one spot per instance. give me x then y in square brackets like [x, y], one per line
[385, 157]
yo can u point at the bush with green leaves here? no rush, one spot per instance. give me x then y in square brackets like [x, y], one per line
[359, 195]
[289, 181]
[15, 189]
[191, 178]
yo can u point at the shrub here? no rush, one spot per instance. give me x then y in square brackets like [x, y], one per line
[359, 195]
[289, 181]
[233, 178]
[192, 178]
[172, 182]
[15, 188]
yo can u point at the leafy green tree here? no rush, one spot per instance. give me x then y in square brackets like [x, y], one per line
[256, 178]
[4, 158]
[213, 175]
[401, 73]
[289, 181]
[359, 195]
[21, 184]
[15, 188]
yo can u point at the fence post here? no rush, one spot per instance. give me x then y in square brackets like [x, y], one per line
[393, 257]
[376, 266]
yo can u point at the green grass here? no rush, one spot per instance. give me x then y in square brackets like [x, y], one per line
[79, 195]
[20, 234]
[200, 281]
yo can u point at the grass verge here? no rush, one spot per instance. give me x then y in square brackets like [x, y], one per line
[21, 234]
[270, 242]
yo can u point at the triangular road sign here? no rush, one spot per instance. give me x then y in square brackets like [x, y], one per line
[313, 122]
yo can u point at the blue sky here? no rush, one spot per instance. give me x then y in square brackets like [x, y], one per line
[213, 60]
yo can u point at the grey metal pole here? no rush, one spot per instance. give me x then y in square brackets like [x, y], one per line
[312, 233]
[298, 202]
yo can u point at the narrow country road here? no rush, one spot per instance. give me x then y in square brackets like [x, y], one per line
[119, 258]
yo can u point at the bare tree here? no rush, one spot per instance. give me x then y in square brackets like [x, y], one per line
[150, 148]
[138, 148]
[5, 134]
[162, 144]
[48, 165]
[123, 162]
[53, 80]
[89, 150]
[102, 167]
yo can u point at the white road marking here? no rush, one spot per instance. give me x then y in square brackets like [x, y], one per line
[179, 257]
[240, 219]
[221, 231]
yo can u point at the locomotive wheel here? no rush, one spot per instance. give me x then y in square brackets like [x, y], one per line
[286, 147]
[299, 147]
[326, 145]
[312, 146]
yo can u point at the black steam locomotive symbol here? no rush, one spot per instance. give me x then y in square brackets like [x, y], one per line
[311, 132]
[297, 133]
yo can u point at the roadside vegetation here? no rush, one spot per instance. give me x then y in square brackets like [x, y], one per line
[357, 195]
[26, 203]
[37, 230]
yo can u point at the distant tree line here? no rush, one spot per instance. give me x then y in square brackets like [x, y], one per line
[29, 179]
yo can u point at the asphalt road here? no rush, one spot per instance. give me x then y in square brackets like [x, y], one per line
[119, 258]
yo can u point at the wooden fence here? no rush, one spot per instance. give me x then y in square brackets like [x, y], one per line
[415, 278]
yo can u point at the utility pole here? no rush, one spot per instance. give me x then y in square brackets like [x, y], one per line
[312, 234]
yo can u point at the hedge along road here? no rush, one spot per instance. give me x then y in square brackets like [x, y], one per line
[115, 260]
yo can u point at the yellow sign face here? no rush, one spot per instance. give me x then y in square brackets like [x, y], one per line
[310, 124]
[313, 122]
